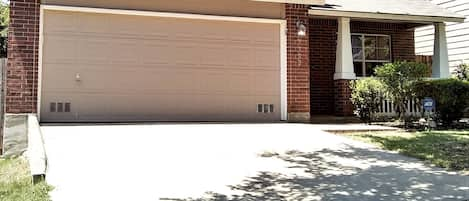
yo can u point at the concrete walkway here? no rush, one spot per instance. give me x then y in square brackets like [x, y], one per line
[233, 162]
[354, 127]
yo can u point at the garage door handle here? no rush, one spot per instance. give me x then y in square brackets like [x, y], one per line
[78, 77]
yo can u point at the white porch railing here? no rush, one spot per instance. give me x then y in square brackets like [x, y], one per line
[413, 109]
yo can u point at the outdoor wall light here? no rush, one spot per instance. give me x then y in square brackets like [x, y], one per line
[300, 25]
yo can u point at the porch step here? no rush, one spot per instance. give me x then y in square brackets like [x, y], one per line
[354, 128]
[326, 119]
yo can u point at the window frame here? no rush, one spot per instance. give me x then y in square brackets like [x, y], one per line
[363, 61]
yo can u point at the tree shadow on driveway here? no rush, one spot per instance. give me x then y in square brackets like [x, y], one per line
[449, 150]
[347, 174]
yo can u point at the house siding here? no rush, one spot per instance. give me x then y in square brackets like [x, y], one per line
[333, 97]
[457, 34]
[22, 67]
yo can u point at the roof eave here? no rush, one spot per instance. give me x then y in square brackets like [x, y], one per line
[305, 2]
[385, 16]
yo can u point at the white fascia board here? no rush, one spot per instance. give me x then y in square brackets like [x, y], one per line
[384, 16]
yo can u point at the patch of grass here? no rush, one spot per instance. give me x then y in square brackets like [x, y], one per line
[447, 149]
[16, 183]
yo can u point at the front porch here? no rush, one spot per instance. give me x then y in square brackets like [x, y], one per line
[345, 46]
[329, 86]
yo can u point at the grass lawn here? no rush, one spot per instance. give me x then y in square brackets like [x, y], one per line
[447, 149]
[16, 183]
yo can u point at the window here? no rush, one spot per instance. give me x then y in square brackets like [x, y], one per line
[370, 51]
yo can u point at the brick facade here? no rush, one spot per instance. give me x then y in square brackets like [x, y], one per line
[342, 94]
[332, 97]
[22, 67]
[323, 37]
[310, 59]
[22, 72]
[298, 75]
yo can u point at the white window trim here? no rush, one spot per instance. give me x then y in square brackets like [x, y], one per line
[364, 60]
[281, 22]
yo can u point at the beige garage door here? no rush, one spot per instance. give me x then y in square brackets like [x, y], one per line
[113, 68]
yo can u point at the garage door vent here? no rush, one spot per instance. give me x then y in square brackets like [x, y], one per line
[260, 108]
[53, 107]
[67, 107]
[265, 108]
[60, 107]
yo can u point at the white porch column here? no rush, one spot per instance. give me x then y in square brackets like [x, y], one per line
[440, 68]
[344, 57]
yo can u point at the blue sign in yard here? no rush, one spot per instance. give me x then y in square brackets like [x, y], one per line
[428, 104]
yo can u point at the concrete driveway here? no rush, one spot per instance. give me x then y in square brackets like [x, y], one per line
[233, 162]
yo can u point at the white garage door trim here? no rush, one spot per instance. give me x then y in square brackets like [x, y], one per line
[283, 39]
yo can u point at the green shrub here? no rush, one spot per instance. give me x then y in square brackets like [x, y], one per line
[399, 78]
[367, 96]
[462, 72]
[4, 21]
[451, 97]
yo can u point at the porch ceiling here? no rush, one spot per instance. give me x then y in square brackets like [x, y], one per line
[419, 11]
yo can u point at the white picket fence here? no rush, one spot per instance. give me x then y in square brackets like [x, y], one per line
[413, 109]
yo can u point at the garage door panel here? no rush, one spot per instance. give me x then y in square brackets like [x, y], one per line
[170, 106]
[150, 80]
[66, 49]
[114, 51]
[60, 49]
[132, 50]
[263, 58]
[60, 22]
[119, 26]
[136, 68]
[257, 33]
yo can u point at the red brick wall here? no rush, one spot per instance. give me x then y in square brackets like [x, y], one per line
[298, 77]
[329, 96]
[323, 36]
[342, 94]
[22, 67]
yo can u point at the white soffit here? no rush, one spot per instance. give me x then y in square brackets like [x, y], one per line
[406, 10]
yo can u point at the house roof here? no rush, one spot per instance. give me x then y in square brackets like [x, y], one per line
[412, 10]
